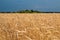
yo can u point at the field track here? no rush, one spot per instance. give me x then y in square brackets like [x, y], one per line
[29, 26]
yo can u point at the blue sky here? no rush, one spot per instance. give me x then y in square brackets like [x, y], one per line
[41, 5]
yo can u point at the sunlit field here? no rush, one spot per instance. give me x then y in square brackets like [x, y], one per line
[26, 26]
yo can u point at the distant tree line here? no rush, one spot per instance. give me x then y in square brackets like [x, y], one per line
[24, 11]
[29, 11]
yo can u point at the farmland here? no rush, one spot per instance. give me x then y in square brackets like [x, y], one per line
[29, 26]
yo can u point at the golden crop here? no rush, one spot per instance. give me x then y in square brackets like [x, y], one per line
[29, 26]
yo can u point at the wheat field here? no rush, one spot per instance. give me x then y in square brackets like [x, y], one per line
[29, 26]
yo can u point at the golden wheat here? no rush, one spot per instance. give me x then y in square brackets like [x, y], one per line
[29, 26]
